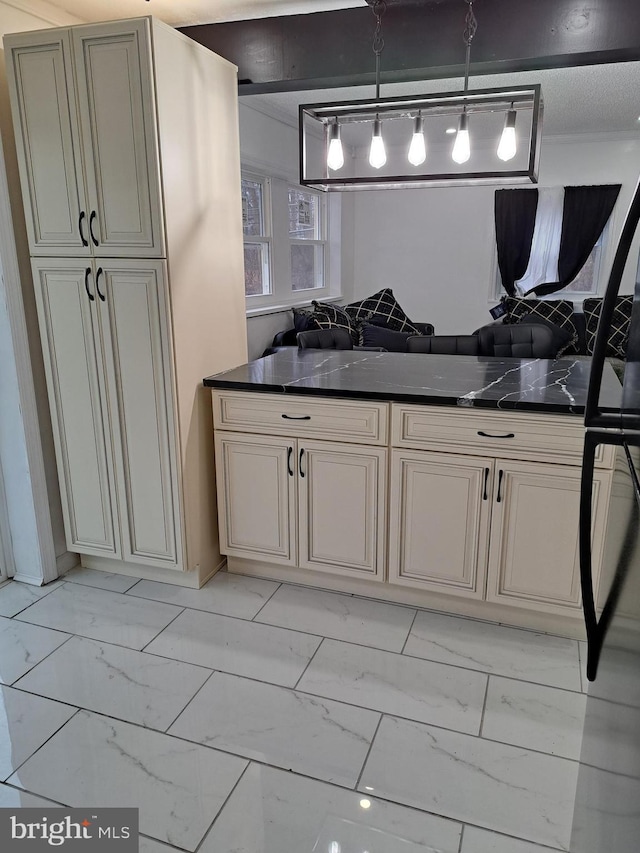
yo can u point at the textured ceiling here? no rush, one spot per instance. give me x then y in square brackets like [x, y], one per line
[588, 99]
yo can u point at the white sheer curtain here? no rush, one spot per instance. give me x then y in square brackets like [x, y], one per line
[545, 247]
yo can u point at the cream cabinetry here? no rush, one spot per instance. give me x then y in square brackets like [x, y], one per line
[297, 501]
[134, 224]
[83, 105]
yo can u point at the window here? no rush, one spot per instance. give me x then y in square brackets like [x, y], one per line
[306, 233]
[257, 248]
[291, 243]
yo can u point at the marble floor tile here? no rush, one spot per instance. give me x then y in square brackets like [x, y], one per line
[396, 684]
[232, 645]
[148, 845]
[503, 788]
[101, 615]
[313, 736]
[14, 798]
[15, 596]
[26, 722]
[101, 580]
[229, 595]
[122, 683]
[543, 718]
[342, 617]
[179, 787]
[275, 812]
[22, 646]
[483, 841]
[582, 648]
[541, 658]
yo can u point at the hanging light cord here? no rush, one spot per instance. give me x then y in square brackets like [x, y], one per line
[471, 25]
[378, 8]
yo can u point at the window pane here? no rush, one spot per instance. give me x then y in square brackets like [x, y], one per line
[256, 269]
[304, 215]
[584, 282]
[306, 267]
[252, 208]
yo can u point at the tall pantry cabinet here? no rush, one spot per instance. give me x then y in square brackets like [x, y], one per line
[127, 136]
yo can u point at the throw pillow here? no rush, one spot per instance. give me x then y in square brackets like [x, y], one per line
[383, 336]
[303, 319]
[383, 304]
[558, 311]
[328, 316]
[620, 322]
[562, 336]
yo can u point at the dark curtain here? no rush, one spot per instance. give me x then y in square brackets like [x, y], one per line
[515, 212]
[585, 212]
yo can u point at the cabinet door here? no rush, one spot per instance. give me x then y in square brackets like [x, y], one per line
[534, 557]
[73, 361]
[133, 311]
[40, 78]
[342, 516]
[257, 498]
[440, 506]
[117, 115]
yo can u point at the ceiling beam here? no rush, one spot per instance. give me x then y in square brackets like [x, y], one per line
[423, 40]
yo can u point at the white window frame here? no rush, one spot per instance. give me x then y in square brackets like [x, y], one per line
[321, 243]
[282, 295]
[265, 239]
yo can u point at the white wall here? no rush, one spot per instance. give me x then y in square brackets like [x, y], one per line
[436, 247]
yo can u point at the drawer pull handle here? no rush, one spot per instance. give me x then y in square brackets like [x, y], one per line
[93, 236]
[300, 461]
[297, 417]
[488, 434]
[500, 475]
[85, 242]
[87, 273]
[486, 478]
[98, 291]
[289, 453]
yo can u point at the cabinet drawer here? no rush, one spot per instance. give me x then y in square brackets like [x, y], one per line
[360, 423]
[550, 438]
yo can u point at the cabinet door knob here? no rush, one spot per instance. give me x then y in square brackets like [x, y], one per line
[297, 417]
[489, 435]
[98, 291]
[93, 236]
[87, 273]
[486, 478]
[85, 242]
[289, 454]
[500, 476]
[302, 474]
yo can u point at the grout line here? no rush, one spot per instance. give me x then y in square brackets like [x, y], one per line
[295, 686]
[222, 807]
[366, 758]
[181, 610]
[35, 600]
[255, 615]
[484, 708]
[406, 639]
[461, 838]
[180, 713]
[543, 847]
[52, 652]
[36, 751]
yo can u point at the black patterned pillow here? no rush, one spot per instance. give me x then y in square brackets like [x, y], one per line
[620, 323]
[328, 316]
[383, 303]
[556, 311]
[303, 319]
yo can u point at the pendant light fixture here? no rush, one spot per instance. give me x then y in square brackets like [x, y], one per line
[508, 147]
[418, 148]
[381, 159]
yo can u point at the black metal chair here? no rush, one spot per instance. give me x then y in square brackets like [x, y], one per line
[325, 339]
[444, 344]
[517, 341]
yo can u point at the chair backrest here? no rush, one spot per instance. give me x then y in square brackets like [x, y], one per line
[444, 344]
[325, 339]
[526, 341]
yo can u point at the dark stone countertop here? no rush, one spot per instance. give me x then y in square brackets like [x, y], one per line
[525, 384]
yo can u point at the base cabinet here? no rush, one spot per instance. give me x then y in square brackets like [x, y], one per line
[312, 504]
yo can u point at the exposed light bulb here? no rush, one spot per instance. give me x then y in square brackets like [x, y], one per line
[508, 146]
[462, 147]
[335, 154]
[377, 154]
[417, 149]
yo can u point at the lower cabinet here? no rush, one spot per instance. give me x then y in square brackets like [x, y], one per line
[495, 529]
[107, 357]
[313, 504]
